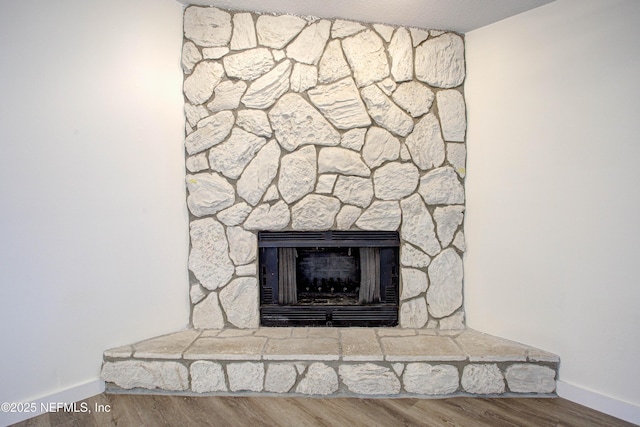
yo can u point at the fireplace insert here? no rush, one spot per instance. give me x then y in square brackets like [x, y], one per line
[330, 278]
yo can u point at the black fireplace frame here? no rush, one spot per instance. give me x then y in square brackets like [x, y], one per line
[383, 313]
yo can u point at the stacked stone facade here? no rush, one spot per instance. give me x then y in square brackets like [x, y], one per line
[313, 124]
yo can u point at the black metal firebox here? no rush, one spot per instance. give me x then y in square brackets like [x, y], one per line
[330, 278]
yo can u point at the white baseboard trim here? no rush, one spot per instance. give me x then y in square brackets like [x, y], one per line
[616, 408]
[68, 396]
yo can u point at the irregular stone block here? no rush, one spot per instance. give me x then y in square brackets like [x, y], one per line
[259, 174]
[452, 115]
[414, 282]
[529, 378]
[395, 181]
[130, 374]
[457, 156]
[296, 123]
[401, 53]
[440, 61]
[340, 103]
[482, 379]
[459, 241]
[354, 190]
[381, 216]
[441, 187]
[266, 90]
[211, 131]
[385, 113]
[280, 377]
[250, 64]
[366, 55]
[271, 194]
[413, 97]
[423, 378]
[277, 31]
[326, 183]
[413, 313]
[353, 139]
[196, 294]
[445, 292]
[369, 379]
[247, 376]
[207, 377]
[198, 87]
[303, 77]
[425, 143]
[341, 160]
[214, 52]
[387, 86]
[380, 146]
[314, 212]
[234, 215]
[227, 96]
[209, 260]
[418, 35]
[239, 300]
[243, 245]
[246, 270]
[207, 314]
[194, 113]
[197, 163]
[342, 28]
[269, 218]
[190, 57]
[208, 193]
[244, 32]
[254, 121]
[417, 227]
[347, 217]
[231, 157]
[385, 31]
[207, 26]
[309, 45]
[298, 172]
[320, 379]
[453, 322]
[448, 219]
[412, 257]
[333, 66]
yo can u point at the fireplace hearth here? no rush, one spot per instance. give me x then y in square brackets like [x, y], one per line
[333, 278]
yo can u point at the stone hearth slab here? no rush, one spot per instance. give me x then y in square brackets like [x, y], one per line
[332, 361]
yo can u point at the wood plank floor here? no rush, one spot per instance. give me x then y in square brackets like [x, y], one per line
[161, 410]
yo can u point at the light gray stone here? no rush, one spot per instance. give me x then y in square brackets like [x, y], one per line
[280, 377]
[385, 113]
[404, 153]
[453, 322]
[340, 103]
[342, 28]
[243, 245]
[190, 57]
[234, 215]
[326, 183]
[309, 45]
[381, 216]
[277, 31]
[303, 77]
[436, 33]
[211, 131]
[369, 379]
[413, 313]
[441, 187]
[239, 300]
[482, 379]
[246, 270]
[440, 61]
[529, 378]
[418, 227]
[401, 53]
[452, 115]
[296, 123]
[244, 32]
[333, 65]
[366, 55]
[385, 31]
[254, 121]
[380, 146]
[398, 368]
[259, 174]
[354, 190]
[266, 90]
[269, 218]
[341, 160]
[347, 217]
[246, 376]
[414, 97]
[214, 52]
[208, 193]
[130, 374]
[231, 157]
[249, 64]
[425, 143]
[227, 96]
[395, 180]
[207, 377]
[279, 55]
[418, 35]
[194, 113]
[197, 163]
[457, 156]
[448, 219]
[314, 212]
[207, 26]
[412, 257]
[196, 294]
[445, 292]
[414, 282]
[387, 86]
[207, 313]
[209, 260]
[271, 194]
[459, 241]
[298, 174]
[198, 87]
[320, 379]
[353, 139]
[423, 378]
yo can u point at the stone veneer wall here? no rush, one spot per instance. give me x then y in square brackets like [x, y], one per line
[315, 124]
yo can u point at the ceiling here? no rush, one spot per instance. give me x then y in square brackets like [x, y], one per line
[455, 15]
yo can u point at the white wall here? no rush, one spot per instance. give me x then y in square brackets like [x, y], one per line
[553, 190]
[93, 224]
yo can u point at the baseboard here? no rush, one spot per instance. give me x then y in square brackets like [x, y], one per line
[39, 406]
[616, 408]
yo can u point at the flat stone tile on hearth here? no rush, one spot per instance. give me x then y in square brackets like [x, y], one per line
[421, 348]
[302, 349]
[235, 348]
[229, 333]
[207, 333]
[119, 352]
[395, 332]
[360, 344]
[487, 348]
[323, 333]
[170, 346]
[273, 332]
[537, 355]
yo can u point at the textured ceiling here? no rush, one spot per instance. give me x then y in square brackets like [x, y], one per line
[456, 15]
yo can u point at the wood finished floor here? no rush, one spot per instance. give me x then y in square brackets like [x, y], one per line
[149, 410]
